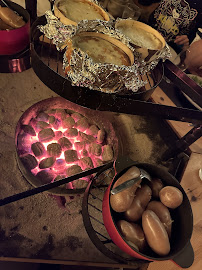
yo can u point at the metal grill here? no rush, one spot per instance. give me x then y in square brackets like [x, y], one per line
[47, 64]
[52, 58]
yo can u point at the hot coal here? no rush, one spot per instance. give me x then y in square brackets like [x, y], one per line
[79, 183]
[72, 132]
[58, 138]
[29, 162]
[41, 125]
[76, 116]
[65, 143]
[59, 177]
[29, 130]
[46, 135]
[54, 149]
[107, 153]
[24, 143]
[46, 176]
[52, 119]
[86, 163]
[84, 153]
[98, 162]
[47, 162]
[61, 114]
[58, 135]
[82, 124]
[42, 116]
[101, 136]
[93, 130]
[38, 149]
[51, 112]
[79, 145]
[71, 156]
[68, 122]
[95, 149]
[86, 138]
[73, 170]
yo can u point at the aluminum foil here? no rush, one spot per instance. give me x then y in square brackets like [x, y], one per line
[162, 54]
[82, 71]
[57, 31]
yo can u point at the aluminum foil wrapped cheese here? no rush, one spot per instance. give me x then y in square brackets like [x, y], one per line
[146, 40]
[73, 11]
[98, 56]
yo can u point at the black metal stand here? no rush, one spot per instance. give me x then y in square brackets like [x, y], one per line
[116, 103]
[31, 7]
[183, 144]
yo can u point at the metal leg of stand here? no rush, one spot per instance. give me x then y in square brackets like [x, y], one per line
[31, 7]
[182, 144]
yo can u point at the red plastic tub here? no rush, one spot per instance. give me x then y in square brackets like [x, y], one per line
[15, 40]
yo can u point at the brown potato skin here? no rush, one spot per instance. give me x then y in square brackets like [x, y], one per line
[11, 18]
[140, 201]
[163, 214]
[132, 232]
[121, 201]
[155, 233]
[156, 185]
[171, 197]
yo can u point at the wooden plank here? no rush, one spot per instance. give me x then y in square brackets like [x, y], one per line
[180, 128]
[193, 188]
[74, 263]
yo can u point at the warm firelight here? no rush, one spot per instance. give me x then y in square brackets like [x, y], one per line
[61, 144]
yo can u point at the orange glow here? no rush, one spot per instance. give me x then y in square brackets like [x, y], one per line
[60, 166]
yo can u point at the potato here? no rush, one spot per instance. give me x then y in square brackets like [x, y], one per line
[171, 197]
[156, 185]
[155, 233]
[140, 201]
[121, 201]
[133, 233]
[163, 214]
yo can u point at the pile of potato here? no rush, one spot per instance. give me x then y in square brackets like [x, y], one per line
[145, 208]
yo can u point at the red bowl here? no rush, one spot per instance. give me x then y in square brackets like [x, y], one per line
[15, 40]
[181, 250]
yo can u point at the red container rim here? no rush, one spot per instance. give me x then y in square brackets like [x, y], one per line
[13, 41]
[110, 224]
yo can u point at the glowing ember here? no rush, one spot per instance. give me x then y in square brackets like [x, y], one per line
[57, 144]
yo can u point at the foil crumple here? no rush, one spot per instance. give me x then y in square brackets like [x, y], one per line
[57, 31]
[82, 71]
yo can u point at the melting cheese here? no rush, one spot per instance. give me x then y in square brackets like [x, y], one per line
[141, 38]
[101, 51]
[77, 10]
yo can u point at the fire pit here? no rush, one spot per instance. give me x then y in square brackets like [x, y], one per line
[56, 139]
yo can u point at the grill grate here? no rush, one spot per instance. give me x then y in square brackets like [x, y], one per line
[53, 59]
[47, 64]
[48, 54]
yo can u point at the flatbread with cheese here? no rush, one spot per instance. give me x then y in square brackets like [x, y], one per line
[74, 11]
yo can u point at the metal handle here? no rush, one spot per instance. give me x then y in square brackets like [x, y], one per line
[125, 185]
[49, 186]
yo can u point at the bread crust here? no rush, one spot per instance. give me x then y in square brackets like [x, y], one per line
[67, 21]
[145, 29]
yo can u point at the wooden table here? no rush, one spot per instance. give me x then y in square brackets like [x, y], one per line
[191, 184]
[193, 188]
[180, 128]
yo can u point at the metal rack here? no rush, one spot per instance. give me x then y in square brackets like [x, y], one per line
[47, 64]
